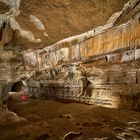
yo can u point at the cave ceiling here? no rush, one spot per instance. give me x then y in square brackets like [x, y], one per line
[53, 20]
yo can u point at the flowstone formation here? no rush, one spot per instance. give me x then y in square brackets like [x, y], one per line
[99, 67]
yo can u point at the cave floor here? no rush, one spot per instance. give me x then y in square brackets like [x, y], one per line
[52, 120]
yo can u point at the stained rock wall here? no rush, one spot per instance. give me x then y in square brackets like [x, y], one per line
[101, 66]
[111, 85]
[123, 37]
[102, 70]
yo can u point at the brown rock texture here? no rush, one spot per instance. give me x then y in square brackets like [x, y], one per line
[114, 43]
[96, 66]
[100, 66]
[103, 70]
[64, 18]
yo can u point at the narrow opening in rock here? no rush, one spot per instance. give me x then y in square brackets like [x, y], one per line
[17, 87]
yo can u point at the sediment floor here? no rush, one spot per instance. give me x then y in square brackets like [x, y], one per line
[51, 120]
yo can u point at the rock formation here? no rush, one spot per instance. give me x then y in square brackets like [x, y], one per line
[99, 67]
[96, 68]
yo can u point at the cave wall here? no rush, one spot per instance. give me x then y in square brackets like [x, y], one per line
[122, 38]
[103, 70]
[101, 66]
[111, 85]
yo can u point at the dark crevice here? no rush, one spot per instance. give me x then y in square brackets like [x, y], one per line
[2, 29]
[17, 87]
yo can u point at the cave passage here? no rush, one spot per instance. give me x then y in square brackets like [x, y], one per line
[69, 69]
[17, 87]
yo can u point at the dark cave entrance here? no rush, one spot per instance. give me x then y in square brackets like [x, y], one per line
[17, 87]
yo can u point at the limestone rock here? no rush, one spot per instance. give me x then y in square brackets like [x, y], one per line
[7, 116]
[99, 67]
